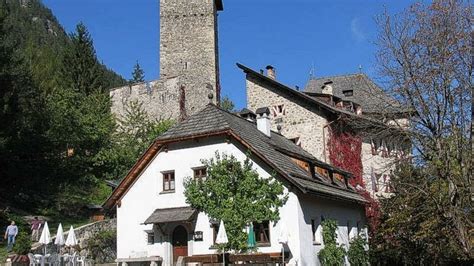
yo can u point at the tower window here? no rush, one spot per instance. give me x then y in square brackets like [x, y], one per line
[348, 93]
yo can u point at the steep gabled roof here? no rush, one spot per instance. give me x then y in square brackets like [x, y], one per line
[299, 95]
[276, 151]
[365, 92]
[357, 122]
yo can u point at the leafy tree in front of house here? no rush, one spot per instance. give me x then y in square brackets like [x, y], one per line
[358, 254]
[331, 254]
[235, 193]
[138, 74]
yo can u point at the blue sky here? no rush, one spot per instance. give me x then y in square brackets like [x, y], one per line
[292, 35]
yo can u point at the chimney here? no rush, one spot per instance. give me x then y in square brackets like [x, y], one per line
[263, 120]
[327, 87]
[271, 72]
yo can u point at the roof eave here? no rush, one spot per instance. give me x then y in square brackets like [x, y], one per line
[277, 84]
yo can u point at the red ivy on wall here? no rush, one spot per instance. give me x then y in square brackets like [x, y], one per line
[345, 152]
[345, 149]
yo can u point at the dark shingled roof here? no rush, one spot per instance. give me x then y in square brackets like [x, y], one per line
[276, 150]
[171, 215]
[365, 92]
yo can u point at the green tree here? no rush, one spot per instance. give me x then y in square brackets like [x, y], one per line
[138, 75]
[134, 133]
[22, 143]
[331, 254]
[81, 68]
[358, 254]
[81, 125]
[235, 193]
[227, 104]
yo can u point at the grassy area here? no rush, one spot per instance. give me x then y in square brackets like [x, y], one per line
[3, 252]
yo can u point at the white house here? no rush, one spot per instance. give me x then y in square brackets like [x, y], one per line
[154, 223]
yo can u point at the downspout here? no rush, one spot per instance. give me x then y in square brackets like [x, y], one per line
[324, 137]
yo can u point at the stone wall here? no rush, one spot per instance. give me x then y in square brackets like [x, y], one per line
[308, 123]
[188, 62]
[89, 230]
[158, 98]
[300, 119]
[83, 234]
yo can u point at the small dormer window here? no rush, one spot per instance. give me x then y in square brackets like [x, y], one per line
[348, 93]
[296, 141]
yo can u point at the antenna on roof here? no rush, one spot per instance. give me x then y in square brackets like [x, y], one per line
[360, 69]
[312, 71]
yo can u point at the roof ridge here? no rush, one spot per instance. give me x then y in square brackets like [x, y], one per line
[338, 76]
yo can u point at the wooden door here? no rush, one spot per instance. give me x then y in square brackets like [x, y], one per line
[180, 242]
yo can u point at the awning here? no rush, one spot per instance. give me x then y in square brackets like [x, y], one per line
[182, 214]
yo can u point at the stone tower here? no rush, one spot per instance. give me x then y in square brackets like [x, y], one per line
[189, 63]
[189, 49]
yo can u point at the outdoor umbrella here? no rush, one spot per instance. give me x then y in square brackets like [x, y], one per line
[251, 243]
[45, 238]
[71, 239]
[283, 240]
[59, 241]
[222, 239]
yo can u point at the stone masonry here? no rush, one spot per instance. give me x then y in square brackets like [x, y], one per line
[299, 121]
[309, 124]
[189, 63]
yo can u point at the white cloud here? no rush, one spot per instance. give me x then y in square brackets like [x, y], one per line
[356, 30]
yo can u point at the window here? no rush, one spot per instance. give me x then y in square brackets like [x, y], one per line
[215, 230]
[150, 235]
[278, 110]
[168, 181]
[262, 232]
[200, 173]
[352, 229]
[348, 93]
[296, 141]
[317, 230]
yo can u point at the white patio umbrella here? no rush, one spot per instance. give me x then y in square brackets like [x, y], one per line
[59, 241]
[283, 240]
[45, 238]
[222, 239]
[71, 239]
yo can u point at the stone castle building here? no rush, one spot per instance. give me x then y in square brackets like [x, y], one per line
[189, 63]
[189, 73]
[306, 117]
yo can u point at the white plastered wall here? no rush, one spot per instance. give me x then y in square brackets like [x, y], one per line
[144, 197]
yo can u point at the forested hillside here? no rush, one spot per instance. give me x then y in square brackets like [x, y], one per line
[58, 139]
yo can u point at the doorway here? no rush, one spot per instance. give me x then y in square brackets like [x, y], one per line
[180, 242]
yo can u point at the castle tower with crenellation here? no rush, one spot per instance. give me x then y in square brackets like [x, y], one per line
[189, 63]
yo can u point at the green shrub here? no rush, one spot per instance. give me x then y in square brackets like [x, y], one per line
[331, 254]
[22, 244]
[102, 246]
[358, 255]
